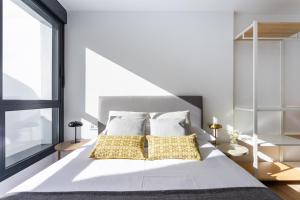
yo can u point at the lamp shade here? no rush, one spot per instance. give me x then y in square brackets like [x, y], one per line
[75, 124]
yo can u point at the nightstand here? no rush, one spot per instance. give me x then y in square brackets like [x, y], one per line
[233, 150]
[68, 146]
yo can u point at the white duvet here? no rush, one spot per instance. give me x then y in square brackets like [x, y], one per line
[77, 172]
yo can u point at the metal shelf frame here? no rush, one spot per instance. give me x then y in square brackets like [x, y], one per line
[252, 33]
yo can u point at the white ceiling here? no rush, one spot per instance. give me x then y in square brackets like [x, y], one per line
[244, 6]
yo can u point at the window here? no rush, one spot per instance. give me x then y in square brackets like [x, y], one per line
[27, 53]
[31, 104]
[27, 132]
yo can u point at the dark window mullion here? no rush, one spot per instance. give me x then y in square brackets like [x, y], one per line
[2, 142]
[55, 61]
[2, 136]
[38, 8]
[11, 105]
[61, 83]
[55, 81]
[1, 51]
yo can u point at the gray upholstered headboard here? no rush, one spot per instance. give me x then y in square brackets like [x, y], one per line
[151, 104]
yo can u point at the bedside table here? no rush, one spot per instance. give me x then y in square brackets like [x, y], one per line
[68, 146]
[233, 150]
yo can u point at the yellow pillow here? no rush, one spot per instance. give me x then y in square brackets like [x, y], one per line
[173, 147]
[119, 147]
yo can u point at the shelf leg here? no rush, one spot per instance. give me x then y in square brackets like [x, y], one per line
[255, 129]
[215, 130]
[280, 154]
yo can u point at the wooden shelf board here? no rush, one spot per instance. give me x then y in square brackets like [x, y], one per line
[266, 109]
[244, 108]
[275, 171]
[70, 146]
[272, 30]
[272, 140]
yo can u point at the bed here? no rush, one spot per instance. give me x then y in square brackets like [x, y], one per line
[78, 177]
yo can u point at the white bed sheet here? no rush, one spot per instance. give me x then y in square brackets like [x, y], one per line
[77, 172]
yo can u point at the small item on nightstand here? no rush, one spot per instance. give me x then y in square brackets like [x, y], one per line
[234, 135]
[75, 124]
[233, 149]
[215, 128]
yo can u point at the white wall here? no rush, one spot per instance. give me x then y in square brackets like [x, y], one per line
[148, 53]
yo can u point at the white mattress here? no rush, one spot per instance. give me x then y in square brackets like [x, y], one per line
[76, 172]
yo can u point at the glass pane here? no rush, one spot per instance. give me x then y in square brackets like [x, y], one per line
[27, 132]
[27, 53]
[243, 122]
[291, 122]
[269, 122]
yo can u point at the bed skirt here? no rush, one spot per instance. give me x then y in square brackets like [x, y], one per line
[245, 193]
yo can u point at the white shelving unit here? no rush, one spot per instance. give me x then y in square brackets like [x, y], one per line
[271, 140]
[255, 33]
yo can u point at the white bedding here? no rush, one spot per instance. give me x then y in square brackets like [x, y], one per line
[76, 172]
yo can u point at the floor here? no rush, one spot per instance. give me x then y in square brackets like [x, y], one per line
[275, 171]
[286, 190]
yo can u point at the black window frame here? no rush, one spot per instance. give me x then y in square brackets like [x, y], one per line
[48, 13]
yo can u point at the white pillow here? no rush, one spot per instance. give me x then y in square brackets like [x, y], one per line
[185, 115]
[124, 114]
[168, 127]
[126, 126]
[127, 114]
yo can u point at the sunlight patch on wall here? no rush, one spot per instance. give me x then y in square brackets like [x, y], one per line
[103, 77]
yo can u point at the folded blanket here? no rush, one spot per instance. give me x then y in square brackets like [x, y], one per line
[245, 193]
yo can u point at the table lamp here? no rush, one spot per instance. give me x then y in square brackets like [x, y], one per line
[215, 126]
[75, 124]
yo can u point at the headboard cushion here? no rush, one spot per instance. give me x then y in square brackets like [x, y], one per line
[151, 104]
